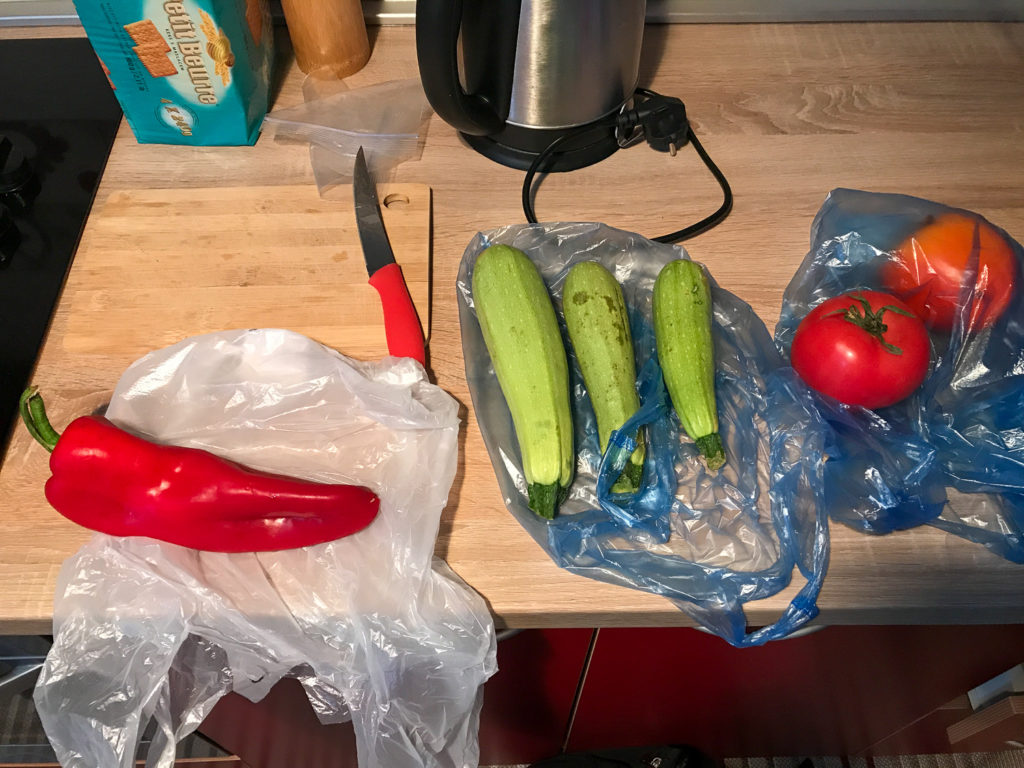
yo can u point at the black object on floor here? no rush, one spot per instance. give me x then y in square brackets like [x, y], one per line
[666, 756]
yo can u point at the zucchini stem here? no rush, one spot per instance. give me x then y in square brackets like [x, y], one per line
[712, 449]
[543, 499]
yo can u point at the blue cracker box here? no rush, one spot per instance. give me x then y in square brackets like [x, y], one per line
[185, 72]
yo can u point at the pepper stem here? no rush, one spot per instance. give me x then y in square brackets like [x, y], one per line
[33, 413]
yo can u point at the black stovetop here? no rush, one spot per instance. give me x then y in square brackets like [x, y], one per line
[58, 118]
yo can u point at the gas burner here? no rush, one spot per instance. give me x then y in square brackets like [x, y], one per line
[19, 184]
[57, 122]
[10, 236]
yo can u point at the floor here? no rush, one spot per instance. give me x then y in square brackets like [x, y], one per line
[22, 740]
[1008, 759]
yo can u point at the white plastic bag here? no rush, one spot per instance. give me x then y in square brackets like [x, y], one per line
[375, 628]
[388, 121]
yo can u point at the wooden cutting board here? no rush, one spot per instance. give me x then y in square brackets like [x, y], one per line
[160, 265]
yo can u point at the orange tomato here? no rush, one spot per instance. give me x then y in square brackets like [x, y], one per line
[927, 271]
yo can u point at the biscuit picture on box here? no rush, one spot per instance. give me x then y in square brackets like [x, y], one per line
[151, 48]
[145, 33]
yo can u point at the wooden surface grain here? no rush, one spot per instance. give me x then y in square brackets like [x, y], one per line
[788, 112]
[158, 265]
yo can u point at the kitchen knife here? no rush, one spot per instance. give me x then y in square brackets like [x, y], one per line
[401, 323]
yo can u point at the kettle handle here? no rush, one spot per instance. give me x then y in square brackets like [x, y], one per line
[437, 35]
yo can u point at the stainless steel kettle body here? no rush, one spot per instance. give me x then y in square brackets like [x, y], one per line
[532, 71]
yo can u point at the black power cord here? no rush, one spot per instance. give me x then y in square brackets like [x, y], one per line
[663, 124]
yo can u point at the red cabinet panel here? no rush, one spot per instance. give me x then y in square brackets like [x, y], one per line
[839, 691]
[528, 702]
[524, 716]
[834, 692]
[281, 730]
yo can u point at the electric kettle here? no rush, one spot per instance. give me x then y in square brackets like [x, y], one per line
[531, 72]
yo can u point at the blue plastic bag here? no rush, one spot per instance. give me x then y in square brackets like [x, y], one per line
[951, 455]
[710, 542]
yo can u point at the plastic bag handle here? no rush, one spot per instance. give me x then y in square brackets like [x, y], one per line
[621, 444]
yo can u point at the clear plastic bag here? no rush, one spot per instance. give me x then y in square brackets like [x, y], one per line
[387, 120]
[710, 542]
[377, 630]
[951, 455]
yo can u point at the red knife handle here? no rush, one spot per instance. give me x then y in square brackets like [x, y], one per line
[401, 323]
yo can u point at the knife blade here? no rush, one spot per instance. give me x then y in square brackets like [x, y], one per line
[401, 323]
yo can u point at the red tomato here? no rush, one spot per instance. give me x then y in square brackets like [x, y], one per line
[927, 270]
[862, 348]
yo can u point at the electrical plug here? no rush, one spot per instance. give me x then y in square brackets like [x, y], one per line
[662, 119]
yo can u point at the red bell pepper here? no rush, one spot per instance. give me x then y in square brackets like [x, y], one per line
[112, 481]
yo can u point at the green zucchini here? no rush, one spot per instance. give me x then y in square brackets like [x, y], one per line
[598, 324]
[522, 336]
[682, 330]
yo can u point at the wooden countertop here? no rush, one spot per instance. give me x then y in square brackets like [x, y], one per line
[789, 112]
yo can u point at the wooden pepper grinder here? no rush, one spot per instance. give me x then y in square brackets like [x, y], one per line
[328, 36]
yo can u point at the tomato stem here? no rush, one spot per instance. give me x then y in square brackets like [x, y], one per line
[871, 321]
